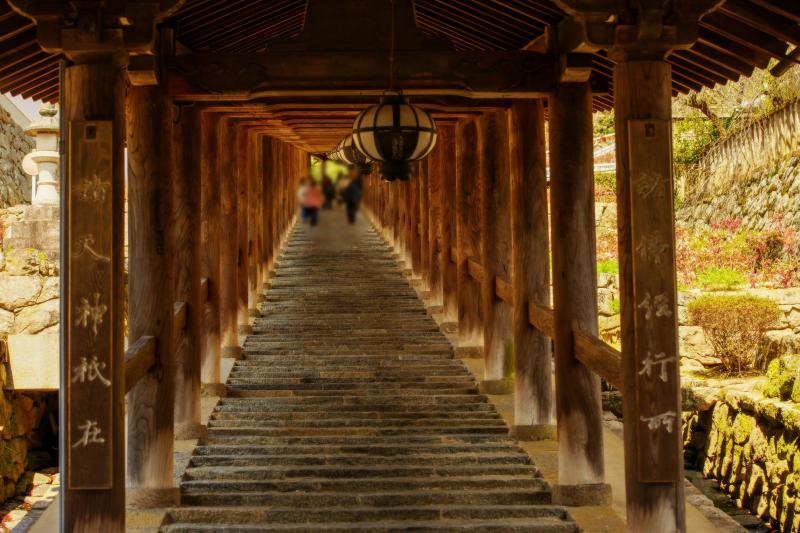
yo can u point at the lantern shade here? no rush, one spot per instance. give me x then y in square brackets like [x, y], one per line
[346, 152]
[394, 132]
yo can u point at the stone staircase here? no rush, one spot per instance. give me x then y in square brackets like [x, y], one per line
[349, 413]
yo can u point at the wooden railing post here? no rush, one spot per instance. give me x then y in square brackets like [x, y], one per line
[445, 165]
[468, 238]
[150, 289]
[240, 174]
[534, 414]
[581, 471]
[495, 249]
[185, 235]
[210, 252]
[225, 172]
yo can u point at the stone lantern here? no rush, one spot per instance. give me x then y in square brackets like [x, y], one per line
[43, 160]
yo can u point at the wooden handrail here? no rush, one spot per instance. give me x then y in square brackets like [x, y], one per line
[541, 318]
[453, 254]
[139, 359]
[503, 289]
[475, 269]
[179, 317]
[599, 357]
[204, 290]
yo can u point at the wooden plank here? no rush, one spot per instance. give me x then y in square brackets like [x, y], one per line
[601, 358]
[530, 267]
[90, 281]
[503, 289]
[475, 269]
[140, 357]
[541, 318]
[471, 74]
[179, 316]
[94, 92]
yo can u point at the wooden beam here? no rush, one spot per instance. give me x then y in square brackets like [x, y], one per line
[541, 318]
[601, 358]
[236, 77]
[503, 290]
[475, 269]
[140, 357]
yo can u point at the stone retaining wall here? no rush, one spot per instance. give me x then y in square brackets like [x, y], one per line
[15, 185]
[749, 444]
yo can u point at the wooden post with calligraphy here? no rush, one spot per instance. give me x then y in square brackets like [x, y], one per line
[651, 384]
[93, 300]
[468, 238]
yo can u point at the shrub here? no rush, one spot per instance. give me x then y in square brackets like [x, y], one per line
[734, 325]
[615, 306]
[720, 278]
[608, 266]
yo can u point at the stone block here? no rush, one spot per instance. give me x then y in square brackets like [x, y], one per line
[37, 317]
[33, 362]
[19, 291]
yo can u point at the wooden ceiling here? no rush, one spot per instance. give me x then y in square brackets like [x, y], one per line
[739, 36]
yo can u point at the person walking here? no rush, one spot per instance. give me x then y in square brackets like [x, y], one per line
[312, 201]
[352, 198]
[329, 190]
[301, 199]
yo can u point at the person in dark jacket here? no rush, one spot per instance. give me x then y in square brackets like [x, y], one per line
[351, 195]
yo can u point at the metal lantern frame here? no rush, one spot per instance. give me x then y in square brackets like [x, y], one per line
[394, 133]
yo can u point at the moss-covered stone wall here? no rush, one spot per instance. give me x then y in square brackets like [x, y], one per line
[750, 446]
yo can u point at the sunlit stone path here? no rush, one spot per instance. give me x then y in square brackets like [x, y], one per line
[349, 413]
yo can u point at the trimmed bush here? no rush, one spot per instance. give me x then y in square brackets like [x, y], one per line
[734, 325]
[720, 279]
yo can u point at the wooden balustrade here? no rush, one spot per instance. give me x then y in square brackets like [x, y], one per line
[598, 356]
[139, 359]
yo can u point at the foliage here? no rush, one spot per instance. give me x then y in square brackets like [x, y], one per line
[615, 306]
[734, 325]
[768, 257]
[605, 184]
[780, 377]
[691, 137]
[608, 266]
[720, 278]
[603, 123]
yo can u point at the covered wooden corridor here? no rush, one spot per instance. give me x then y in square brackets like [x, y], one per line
[219, 106]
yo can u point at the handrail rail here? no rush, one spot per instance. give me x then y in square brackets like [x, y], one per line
[140, 357]
[541, 318]
[475, 269]
[503, 289]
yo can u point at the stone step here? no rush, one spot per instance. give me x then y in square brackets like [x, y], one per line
[359, 459]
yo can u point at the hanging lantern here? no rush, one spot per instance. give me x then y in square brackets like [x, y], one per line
[394, 133]
[350, 155]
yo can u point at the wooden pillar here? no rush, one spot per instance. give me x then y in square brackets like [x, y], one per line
[253, 220]
[151, 301]
[414, 220]
[495, 249]
[228, 242]
[650, 361]
[468, 238]
[265, 153]
[446, 166]
[422, 186]
[242, 211]
[435, 164]
[91, 442]
[581, 472]
[534, 414]
[210, 251]
[186, 234]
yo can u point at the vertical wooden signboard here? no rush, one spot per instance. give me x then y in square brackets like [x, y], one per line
[658, 428]
[89, 357]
